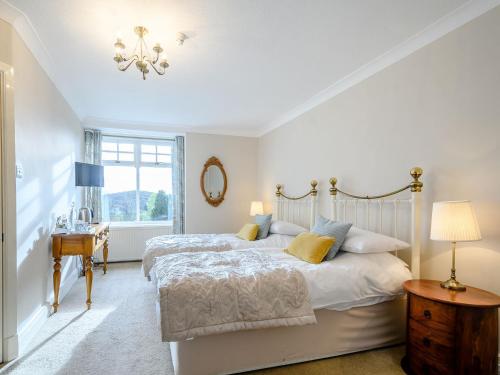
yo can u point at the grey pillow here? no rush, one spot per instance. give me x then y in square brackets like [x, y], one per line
[325, 227]
[264, 223]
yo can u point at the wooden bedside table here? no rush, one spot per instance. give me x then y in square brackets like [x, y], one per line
[84, 244]
[450, 332]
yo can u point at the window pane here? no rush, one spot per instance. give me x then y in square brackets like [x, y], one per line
[156, 193]
[148, 158]
[128, 147]
[109, 156]
[164, 149]
[148, 148]
[109, 146]
[164, 158]
[125, 156]
[119, 194]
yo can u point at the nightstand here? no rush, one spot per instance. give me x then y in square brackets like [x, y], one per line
[450, 332]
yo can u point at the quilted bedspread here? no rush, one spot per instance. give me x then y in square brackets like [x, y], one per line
[215, 292]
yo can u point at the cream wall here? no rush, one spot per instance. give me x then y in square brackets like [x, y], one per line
[48, 141]
[238, 155]
[439, 108]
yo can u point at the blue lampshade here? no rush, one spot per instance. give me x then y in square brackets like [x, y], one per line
[89, 175]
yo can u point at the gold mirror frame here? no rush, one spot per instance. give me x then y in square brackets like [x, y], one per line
[213, 161]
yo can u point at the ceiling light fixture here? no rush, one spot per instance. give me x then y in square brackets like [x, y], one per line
[141, 55]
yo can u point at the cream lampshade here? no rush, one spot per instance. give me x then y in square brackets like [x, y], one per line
[454, 221]
[256, 208]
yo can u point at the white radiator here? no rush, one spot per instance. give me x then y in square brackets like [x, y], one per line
[128, 243]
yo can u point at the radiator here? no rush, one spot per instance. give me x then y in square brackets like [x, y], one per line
[128, 243]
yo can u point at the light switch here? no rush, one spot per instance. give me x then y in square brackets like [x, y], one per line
[19, 171]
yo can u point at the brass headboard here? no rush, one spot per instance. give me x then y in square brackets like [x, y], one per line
[346, 209]
[300, 210]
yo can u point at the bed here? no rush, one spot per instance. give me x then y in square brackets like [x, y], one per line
[301, 213]
[343, 325]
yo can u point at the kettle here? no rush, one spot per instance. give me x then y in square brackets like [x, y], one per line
[85, 215]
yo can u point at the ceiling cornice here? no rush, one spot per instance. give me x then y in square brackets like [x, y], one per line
[161, 128]
[25, 29]
[446, 24]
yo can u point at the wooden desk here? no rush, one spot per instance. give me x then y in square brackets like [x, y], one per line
[79, 244]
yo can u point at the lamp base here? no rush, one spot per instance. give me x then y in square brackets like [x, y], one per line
[453, 285]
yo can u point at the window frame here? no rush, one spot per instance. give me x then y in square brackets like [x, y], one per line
[137, 164]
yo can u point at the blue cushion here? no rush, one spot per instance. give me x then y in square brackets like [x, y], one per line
[331, 228]
[264, 223]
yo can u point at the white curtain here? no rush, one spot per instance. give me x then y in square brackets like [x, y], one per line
[92, 198]
[178, 185]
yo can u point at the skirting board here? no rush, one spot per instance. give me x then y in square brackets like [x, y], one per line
[38, 319]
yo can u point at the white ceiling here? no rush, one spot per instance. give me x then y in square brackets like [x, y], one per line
[246, 62]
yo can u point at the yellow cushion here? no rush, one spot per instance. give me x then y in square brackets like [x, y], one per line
[310, 247]
[248, 232]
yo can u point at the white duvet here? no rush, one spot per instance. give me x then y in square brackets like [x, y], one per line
[350, 280]
[171, 244]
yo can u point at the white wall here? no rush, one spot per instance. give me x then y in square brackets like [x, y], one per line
[238, 155]
[47, 143]
[438, 109]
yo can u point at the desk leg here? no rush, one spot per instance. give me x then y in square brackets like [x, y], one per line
[105, 256]
[57, 282]
[88, 277]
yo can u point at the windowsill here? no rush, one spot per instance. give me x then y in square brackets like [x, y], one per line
[140, 224]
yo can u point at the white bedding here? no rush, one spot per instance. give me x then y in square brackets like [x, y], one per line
[350, 280]
[171, 244]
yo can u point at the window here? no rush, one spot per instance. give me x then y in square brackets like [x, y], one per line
[138, 180]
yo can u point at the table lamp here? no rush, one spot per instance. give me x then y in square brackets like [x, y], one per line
[256, 208]
[454, 221]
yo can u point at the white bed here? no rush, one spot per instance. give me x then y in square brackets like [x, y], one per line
[358, 299]
[170, 244]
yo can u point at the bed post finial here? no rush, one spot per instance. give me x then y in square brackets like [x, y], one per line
[333, 189]
[416, 185]
[314, 192]
[278, 190]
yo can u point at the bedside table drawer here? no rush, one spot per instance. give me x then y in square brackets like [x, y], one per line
[432, 347]
[422, 365]
[433, 314]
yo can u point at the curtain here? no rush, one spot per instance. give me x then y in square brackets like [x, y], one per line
[92, 197]
[178, 185]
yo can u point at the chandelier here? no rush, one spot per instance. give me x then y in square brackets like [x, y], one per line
[141, 55]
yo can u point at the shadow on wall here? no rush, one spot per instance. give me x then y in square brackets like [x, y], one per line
[39, 201]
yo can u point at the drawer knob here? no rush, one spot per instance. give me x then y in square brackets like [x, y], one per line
[427, 314]
[426, 342]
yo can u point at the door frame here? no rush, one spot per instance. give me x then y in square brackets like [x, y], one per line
[8, 256]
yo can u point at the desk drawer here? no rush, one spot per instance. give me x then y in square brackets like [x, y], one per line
[433, 314]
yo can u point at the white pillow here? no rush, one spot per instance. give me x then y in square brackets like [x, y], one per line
[363, 241]
[284, 227]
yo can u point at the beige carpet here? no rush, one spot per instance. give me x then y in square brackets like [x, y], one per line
[119, 335]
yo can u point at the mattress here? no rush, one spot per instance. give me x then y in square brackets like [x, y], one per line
[169, 244]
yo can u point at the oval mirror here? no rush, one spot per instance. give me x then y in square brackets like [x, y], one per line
[213, 181]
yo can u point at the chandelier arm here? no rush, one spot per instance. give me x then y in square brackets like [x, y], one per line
[123, 68]
[156, 58]
[131, 57]
[156, 70]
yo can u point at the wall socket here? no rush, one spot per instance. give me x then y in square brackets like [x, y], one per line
[19, 171]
